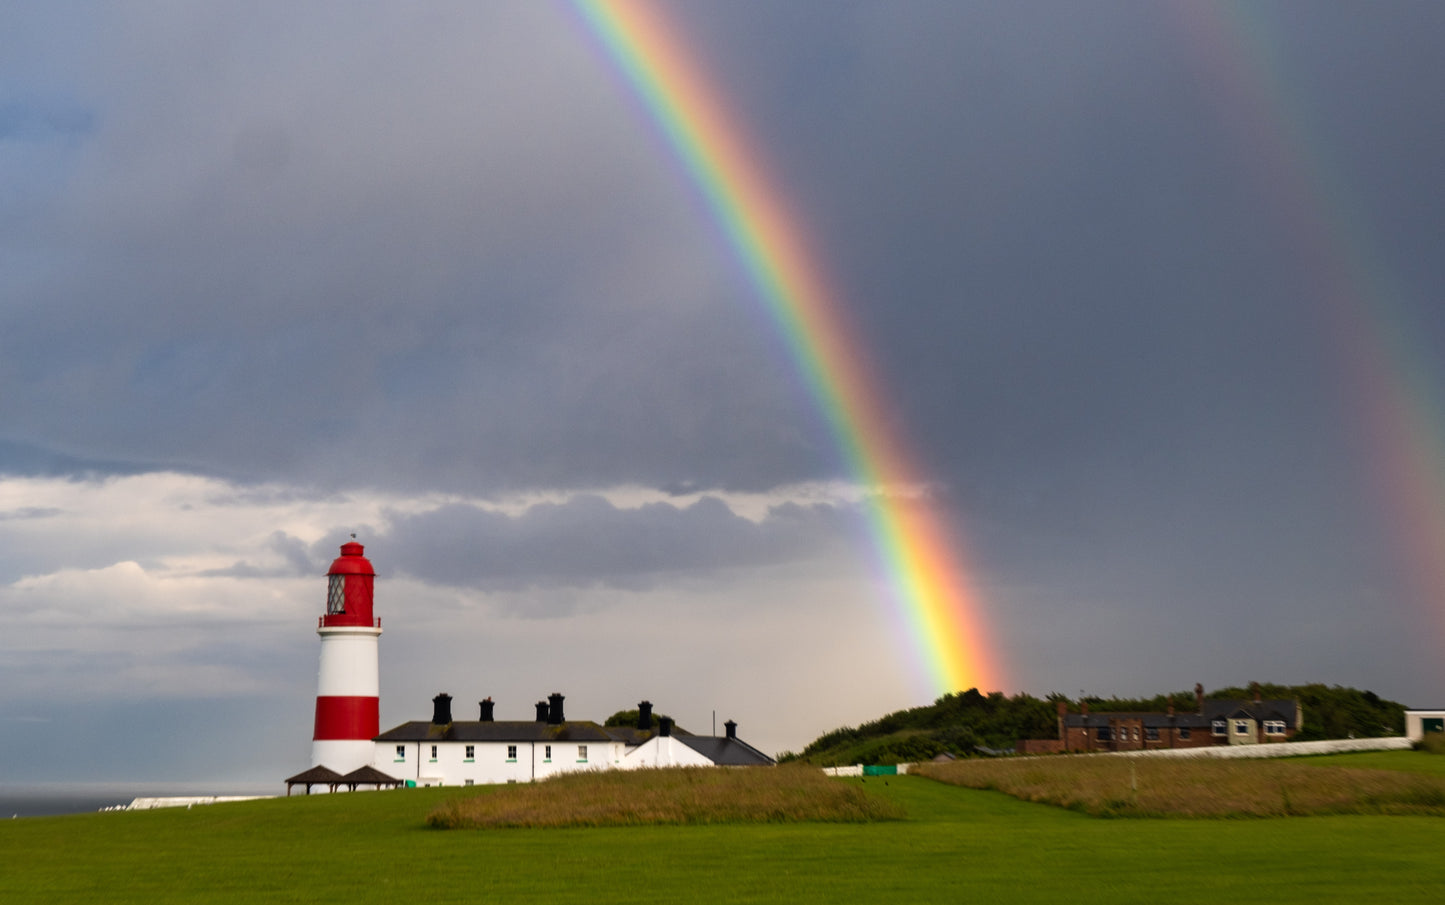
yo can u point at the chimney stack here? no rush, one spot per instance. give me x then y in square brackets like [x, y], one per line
[1254, 687]
[644, 716]
[441, 709]
[731, 728]
[554, 709]
[664, 726]
[1084, 706]
[541, 711]
[1199, 697]
[486, 705]
[1171, 705]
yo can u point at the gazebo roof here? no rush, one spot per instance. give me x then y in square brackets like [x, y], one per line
[369, 776]
[317, 774]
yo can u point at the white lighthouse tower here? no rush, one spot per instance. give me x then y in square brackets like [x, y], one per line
[348, 691]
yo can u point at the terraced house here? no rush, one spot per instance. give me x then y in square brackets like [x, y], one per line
[1212, 722]
[474, 752]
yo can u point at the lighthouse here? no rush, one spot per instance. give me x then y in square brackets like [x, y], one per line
[348, 714]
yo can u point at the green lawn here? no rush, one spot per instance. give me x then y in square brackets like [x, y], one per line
[1405, 761]
[958, 845]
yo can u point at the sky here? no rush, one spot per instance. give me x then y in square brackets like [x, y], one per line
[1148, 292]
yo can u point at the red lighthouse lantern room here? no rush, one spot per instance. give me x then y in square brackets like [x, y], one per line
[350, 585]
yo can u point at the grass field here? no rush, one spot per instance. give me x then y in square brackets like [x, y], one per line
[1406, 783]
[954, 845]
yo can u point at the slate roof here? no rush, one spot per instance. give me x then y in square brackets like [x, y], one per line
[1148, 720]
[499, 731]
[632, 735]
[1284, 711]
[726, 752]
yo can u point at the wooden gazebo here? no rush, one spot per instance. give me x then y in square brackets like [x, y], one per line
[316, 776]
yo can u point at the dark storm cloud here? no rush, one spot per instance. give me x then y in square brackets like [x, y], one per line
[345, 242]
[587, 541]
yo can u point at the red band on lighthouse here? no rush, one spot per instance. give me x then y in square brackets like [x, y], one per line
[347, 718]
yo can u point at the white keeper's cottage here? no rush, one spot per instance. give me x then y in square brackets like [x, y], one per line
[348, 750]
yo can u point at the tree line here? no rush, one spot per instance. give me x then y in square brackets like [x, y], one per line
[972, 723]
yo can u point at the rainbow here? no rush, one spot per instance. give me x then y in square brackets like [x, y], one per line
[1387, 381]
[928, 583]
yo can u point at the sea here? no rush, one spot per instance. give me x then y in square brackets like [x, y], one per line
[46, 799]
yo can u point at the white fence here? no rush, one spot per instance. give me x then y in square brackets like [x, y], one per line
[1275, 749]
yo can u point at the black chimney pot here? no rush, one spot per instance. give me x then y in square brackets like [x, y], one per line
[644, 716]
[664, 726]
[731, 728]
[541, 711]
[441, 709]
[487, 706]
[554, 709]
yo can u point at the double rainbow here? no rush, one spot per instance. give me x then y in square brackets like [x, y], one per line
[927, 580]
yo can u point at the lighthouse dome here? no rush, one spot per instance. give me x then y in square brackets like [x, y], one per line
[349, 588]
[351, 562]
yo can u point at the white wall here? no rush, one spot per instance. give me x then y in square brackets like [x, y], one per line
[1415, 722]
[348, 662]
[489, 762]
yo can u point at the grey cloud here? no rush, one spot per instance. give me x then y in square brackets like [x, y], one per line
[587, 541]
[26, 513]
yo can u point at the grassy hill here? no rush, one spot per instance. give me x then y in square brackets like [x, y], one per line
[954, 844]
[972, 722]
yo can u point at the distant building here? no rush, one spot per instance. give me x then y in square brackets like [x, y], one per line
[349, 750]
[1213, 722]
[1419, 722]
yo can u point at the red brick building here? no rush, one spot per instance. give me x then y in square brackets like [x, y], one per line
[1213, 722]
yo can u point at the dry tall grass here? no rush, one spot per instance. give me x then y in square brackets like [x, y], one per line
[686, 795]
[1149, 787]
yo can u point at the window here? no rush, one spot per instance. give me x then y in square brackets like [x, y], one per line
[471, 752]
[1217, 727]
[547, 753]
[1183, 732]
[433, 753]
[581, 754]
[511, 753]
[1274, 727]
[400, 754]
[1241, 727]
[1151, 734]
[468, 783]
[336, 595]
[1105, 734]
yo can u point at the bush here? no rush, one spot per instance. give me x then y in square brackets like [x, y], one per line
[1432, 743]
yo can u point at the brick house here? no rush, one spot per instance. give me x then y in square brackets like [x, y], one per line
[1213, 722]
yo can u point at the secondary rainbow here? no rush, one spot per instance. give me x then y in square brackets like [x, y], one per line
[1387, 375]
[929, 583]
